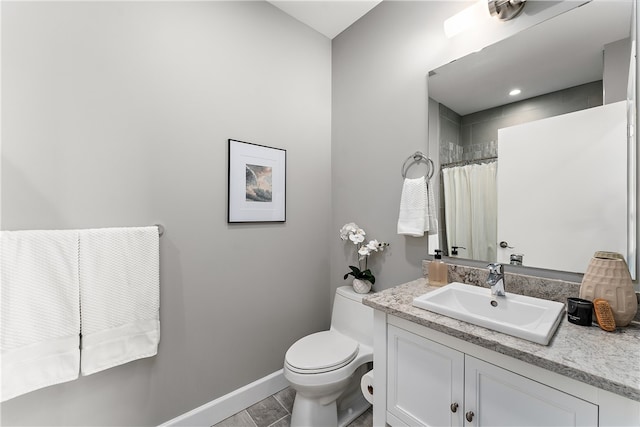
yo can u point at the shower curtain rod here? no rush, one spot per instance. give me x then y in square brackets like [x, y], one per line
[469, 162]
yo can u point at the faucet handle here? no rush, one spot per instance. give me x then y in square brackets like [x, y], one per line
[495, 268]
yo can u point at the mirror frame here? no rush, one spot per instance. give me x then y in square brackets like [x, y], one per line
[632, 151]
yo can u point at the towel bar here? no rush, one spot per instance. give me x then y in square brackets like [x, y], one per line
[415, 158]
[160, 229]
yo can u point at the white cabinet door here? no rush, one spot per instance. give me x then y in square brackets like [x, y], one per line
[497, 397]
[424, 380]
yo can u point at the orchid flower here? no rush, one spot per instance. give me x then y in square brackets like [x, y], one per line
[355, 234]
[357, 237]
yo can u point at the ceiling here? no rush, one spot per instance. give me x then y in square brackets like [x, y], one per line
[328, 17]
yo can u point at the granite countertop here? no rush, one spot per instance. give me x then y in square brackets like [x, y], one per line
[607, 360]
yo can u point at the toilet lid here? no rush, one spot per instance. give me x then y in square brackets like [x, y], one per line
[321, 352]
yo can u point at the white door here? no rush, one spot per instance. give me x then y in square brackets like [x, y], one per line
[562, 188]
[425, 381]
[497, 397]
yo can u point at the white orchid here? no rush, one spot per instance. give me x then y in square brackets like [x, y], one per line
[348, 229]
[375, 246]
[357, 237]
[351, 231]
[372, 246]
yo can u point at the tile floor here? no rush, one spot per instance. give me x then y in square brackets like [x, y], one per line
[275, 411]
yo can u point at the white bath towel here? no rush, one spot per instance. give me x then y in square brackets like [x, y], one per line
[40, 330]
[432, 213]
[119, 296]
[413, 219]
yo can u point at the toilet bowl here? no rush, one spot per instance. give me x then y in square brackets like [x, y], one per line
[325, 368]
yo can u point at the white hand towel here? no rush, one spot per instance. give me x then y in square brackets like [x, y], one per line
[40, 310]
[413, 220]
[119, 296]
[432, 215]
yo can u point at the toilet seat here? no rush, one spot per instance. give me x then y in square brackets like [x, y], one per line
[321, 352]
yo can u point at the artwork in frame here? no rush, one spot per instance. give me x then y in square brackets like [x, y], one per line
[257, 183]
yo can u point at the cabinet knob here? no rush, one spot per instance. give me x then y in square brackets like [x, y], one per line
[454, 407]
[469, 416]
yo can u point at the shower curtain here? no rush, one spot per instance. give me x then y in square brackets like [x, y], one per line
[470, 205]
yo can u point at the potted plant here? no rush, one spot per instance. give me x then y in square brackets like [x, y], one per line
[363, 278]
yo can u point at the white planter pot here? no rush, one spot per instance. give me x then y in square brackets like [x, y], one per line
[361, 286]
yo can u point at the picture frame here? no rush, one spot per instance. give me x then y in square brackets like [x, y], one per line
[256, 183]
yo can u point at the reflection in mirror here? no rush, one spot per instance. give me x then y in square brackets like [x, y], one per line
[509, 194]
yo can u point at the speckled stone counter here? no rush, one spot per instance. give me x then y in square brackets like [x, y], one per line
[607, 360]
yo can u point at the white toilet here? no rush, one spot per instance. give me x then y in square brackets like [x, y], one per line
[325, 368]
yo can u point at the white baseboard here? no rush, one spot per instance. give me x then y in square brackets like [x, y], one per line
[217, 410]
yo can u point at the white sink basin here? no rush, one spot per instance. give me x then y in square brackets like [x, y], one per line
[529, 318]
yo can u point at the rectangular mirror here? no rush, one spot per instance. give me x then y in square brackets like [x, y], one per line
[571, 70]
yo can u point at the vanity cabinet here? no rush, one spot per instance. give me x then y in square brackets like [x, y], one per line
[425, 381]
[430, 384]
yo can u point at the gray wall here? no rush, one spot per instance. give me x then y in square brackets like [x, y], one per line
[118, 114]
[379, 117]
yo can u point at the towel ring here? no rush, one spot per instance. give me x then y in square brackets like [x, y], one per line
[416, 158]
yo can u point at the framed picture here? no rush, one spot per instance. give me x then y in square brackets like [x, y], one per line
[257, 183]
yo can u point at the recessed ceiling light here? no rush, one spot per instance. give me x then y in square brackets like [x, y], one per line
[515, 92]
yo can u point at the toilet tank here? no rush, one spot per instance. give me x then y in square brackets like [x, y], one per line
[352, 318]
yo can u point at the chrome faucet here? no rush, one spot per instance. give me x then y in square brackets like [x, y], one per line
[496, 279]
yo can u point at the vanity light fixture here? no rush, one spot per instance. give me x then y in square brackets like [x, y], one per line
[515, 92]
[506, 9]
